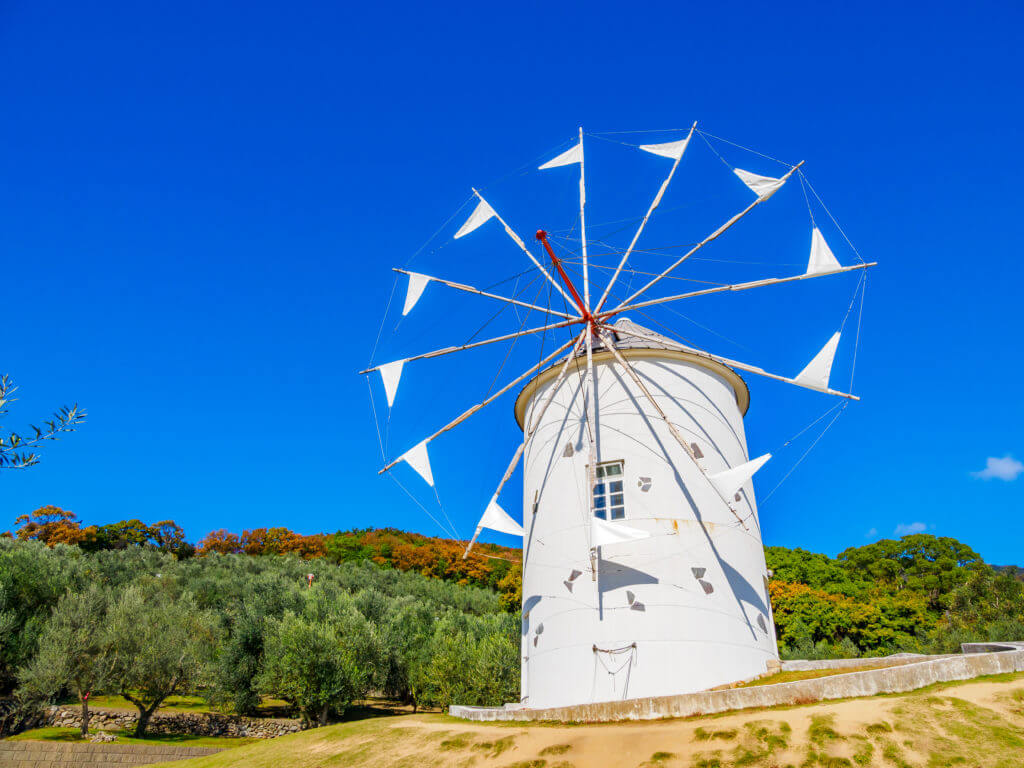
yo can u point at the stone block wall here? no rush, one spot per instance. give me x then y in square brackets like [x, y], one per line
[193, 723]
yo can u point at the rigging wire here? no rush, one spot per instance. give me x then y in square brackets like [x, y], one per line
[834, 221]
[740, 146]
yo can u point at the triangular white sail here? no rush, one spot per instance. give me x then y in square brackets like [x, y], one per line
[604, 533]
[763, 186]
[822, 259]
[570, 156]
[816, 374]
[729, 481]
[497, 519]
[417, 458]
[390, 375]
[480, 215]
[670, 149]
[417, 283]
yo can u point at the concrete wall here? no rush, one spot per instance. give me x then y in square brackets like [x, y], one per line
[907, 677]
[655, 620]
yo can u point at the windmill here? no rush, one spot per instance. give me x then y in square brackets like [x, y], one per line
[643, 565]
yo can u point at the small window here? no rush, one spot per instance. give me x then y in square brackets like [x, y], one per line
[609, 499]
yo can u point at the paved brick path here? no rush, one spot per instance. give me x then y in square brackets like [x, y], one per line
[47, 754]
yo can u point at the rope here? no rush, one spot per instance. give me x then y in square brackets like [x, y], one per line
[809, 449]
[746, 149]
[825, 208]
[860, 315]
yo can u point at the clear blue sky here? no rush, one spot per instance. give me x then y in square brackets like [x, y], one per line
[200, 204]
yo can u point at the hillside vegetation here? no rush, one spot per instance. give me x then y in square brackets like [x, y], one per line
[136, 610]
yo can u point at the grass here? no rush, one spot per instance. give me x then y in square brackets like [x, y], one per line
[124, 737]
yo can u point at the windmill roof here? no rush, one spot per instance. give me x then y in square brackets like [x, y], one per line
[628, 341]
[625, 342]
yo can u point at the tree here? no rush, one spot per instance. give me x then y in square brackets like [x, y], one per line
[162, 646]
[51, 525]
[74, 651]
[319, 664]
[15, 449]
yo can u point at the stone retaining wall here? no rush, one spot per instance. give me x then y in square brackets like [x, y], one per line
[193, 723]
[897, 679]
[47, 754]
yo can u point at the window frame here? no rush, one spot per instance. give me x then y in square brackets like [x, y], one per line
[605, 492]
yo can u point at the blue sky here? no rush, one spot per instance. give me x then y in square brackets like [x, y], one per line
[200, 205]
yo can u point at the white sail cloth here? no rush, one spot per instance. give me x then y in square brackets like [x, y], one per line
[822, 259]
[480, 215]
[817, 372]
[417, 458]
[604, 533]
[570, 156]
[763, 186]
[390, 375]
[729, 481]
[417, 284]
[497, 519]
[670, 149]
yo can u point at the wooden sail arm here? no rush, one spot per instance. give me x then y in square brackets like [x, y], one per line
[732, 363]
[478, 292]
[531, 428]
[522, 246]
[610, 345]
[650, 210]
[714, 235]
[461, 347]
[469, 412]
[735, 287]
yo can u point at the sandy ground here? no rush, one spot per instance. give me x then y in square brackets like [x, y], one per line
[977, 725]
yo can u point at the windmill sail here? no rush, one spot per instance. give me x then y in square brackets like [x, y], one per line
[480, 215]
[671, 149]
[390, 375]
[817, 372]
[729, 481]
[604, 533]
[822, 259]
[497, 519]
[570, 156]
[417, 284]
[417, 458]
[763, 186]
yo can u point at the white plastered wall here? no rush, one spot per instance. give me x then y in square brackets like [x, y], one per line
[657, 629]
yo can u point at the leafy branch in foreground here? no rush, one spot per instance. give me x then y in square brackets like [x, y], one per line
[16, 449]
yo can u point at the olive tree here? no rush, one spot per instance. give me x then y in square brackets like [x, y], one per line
[162, 646]
[74, 651]
[319, 663]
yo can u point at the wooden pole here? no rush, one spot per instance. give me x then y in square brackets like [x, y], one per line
[477, 291]
[718, 232]
[522, 246]
[532, 427]
[734, 287]
[506, 337]
[654, 204]
[734, 363]
[671, 427]
[466, 414]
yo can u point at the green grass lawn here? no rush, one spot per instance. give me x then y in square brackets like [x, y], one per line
[124, 737]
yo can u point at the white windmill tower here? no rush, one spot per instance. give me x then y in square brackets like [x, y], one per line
[643, 566]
